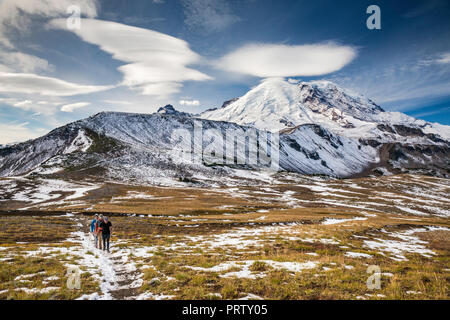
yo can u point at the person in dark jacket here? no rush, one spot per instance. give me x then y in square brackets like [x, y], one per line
[106, 229]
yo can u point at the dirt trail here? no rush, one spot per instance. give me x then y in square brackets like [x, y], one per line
[119, 278]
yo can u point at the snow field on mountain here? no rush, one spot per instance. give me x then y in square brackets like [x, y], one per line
[276, 104]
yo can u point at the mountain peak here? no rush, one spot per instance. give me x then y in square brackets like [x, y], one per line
[169, 109]
[276, 103]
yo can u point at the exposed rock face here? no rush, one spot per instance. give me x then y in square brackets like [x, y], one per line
[169, 109]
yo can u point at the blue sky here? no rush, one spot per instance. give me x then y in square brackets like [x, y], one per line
[136, 56]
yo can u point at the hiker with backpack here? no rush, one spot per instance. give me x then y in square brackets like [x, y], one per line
[93, 227]
[106, 233]
[99, 231]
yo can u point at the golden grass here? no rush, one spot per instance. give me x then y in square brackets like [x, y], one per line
[178, 223]
[18, 270]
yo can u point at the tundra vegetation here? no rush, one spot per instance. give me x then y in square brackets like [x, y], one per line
[312, 239]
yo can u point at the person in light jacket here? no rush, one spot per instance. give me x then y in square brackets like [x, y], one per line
[99, 231]
[93, 227]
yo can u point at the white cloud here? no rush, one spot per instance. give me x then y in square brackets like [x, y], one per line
[293, 81]
[189, 102]
[398, 85]
[19, 71]
[12, 132]
[23, 62]
[208, 16]
[16, 17]
[42, 102]
[161, 89]
[34, 84]
[445, 58]
[73, 106]
[157, 63]
[15, 14]
[22, 103]
[9, 101]
[441, 59]
[276, 60]
[32, 104]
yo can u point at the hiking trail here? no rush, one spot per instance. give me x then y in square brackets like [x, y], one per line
[118, 277]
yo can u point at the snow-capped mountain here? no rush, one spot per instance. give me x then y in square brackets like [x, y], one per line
[307, 128]
[144, 148]
[277, 104]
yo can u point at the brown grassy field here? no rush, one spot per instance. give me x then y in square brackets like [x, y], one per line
[307, 238]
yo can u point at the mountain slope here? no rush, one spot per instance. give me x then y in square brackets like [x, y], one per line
[311, 149]
[143, 148]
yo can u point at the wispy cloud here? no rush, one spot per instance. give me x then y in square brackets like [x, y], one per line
[28, 83]
[16, 15]
[208, 16]
[40, 107]
[22, 103]
[277, 60]
[11, 132]
[430, 113]
[22, 62]
[443, 58]
[21, 74]
[399, 84]
[189, 102]
[157, 64]
[73, 106]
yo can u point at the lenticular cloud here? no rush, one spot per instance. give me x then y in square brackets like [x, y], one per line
[275, 60]
[157, 63]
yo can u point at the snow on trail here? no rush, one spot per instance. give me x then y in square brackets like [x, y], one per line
[102, 262]
[118, 277]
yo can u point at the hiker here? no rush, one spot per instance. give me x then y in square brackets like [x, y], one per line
[107, 226]
[99, 231]
[93, 227]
